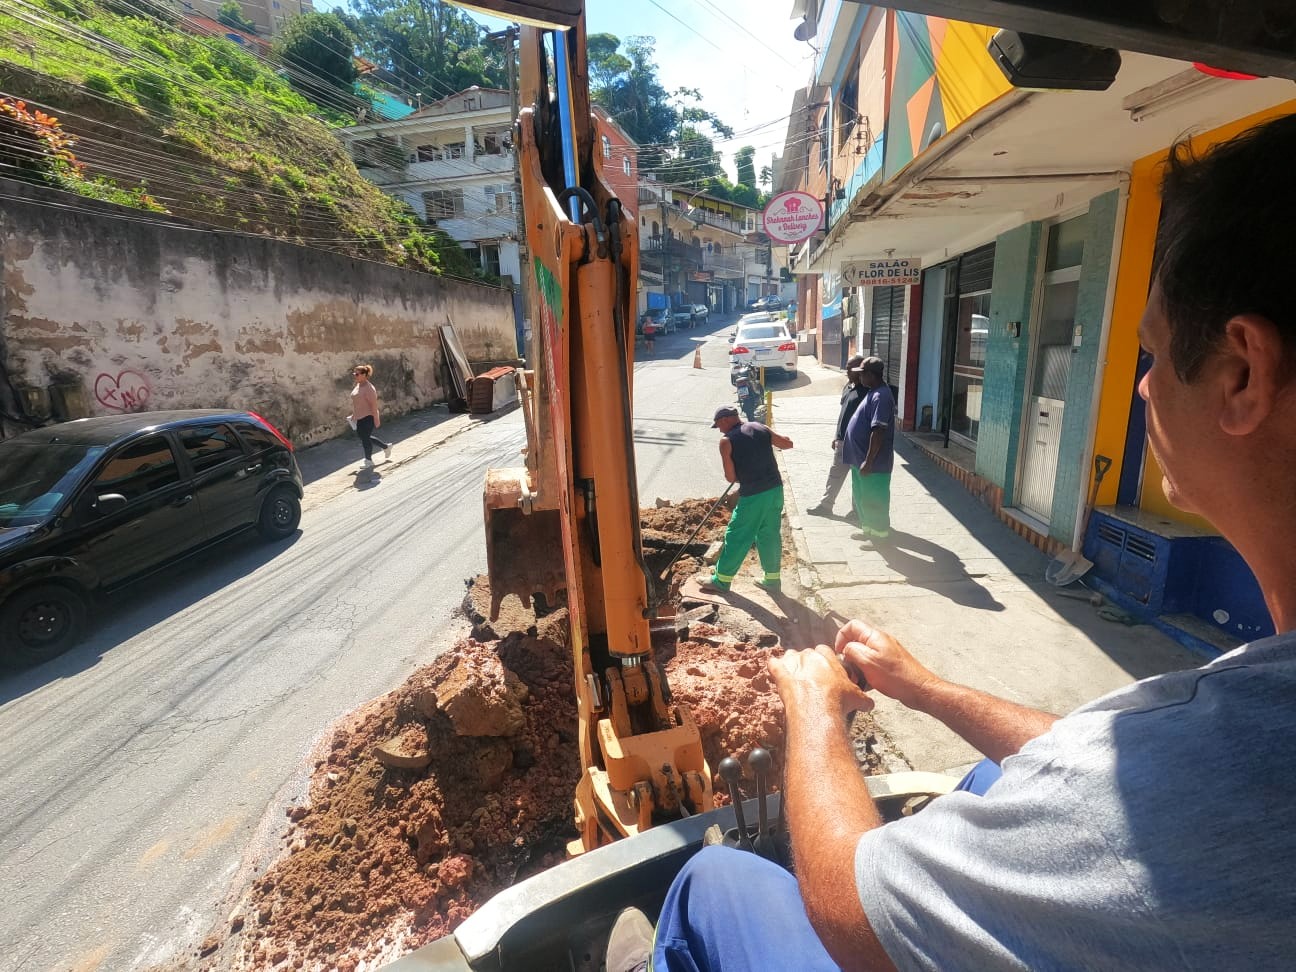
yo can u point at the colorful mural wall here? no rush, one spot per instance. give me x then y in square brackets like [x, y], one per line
[941, 74]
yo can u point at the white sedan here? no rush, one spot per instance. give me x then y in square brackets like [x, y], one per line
[765, 344]
[760, 317]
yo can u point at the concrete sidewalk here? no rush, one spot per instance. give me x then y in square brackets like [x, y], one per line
[333, 467]
[959, 589]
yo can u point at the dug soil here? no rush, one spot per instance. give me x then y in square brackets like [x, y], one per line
[428, 801]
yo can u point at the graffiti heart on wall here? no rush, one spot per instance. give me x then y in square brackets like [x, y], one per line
[128, 391]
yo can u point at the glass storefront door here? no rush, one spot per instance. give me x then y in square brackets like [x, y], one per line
[970, 338]
[1045, 403]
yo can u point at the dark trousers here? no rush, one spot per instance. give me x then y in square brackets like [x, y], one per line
[364, 429]
[731, 910]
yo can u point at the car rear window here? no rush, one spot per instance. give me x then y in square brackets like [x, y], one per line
[138, 469]
[256, 437]
[35, 476]
[208, 446]
[759, 333]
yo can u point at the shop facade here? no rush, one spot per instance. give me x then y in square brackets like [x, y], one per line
[1014, 359]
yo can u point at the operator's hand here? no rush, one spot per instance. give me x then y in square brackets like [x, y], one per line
[883, 663]
[816, 678]
[836, 443]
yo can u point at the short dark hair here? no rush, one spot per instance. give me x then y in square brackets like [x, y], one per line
[1227, 240]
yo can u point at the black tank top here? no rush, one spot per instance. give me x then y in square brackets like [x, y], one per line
[753, 458]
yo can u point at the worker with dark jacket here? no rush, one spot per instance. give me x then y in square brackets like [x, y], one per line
[747, 452]
[851, 396]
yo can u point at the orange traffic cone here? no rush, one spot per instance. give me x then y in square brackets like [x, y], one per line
[697, 357]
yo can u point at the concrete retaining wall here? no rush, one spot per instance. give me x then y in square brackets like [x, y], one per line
[105, 310]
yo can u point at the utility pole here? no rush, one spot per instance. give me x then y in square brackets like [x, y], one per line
[665, 252]
[509, 37]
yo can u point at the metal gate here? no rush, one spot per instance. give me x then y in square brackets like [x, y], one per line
[888, 332]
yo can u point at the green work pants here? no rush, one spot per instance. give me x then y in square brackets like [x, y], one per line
[756, 519]
[871, 495]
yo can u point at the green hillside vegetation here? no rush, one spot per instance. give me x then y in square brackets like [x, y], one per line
[198, 128]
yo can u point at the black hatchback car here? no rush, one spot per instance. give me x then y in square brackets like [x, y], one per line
[88, 506]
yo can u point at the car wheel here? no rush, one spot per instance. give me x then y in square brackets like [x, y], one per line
[41, 622]
[280, 514]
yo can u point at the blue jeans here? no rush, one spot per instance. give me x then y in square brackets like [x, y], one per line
[731, 910]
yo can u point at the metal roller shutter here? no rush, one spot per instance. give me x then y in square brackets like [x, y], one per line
[888, 330]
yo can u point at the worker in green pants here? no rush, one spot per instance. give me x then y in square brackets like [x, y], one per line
[747, 453]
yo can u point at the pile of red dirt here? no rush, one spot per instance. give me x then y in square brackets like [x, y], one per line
[727, 686]
[438, 795]
[386, 843]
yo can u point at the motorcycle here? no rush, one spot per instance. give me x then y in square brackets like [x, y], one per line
[751, 396]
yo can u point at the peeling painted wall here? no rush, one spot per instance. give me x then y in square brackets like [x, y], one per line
[102, 314]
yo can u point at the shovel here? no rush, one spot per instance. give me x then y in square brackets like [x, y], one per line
[1070, 565]
[696, 530]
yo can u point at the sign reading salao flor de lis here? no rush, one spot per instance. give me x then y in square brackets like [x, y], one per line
[897, 272]
[791, 217]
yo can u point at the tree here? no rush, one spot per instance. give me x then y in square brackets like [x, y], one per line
[666, 124]
[231, 15]
[766, 177]
[430, 48]
[319, 49]
[745, 161]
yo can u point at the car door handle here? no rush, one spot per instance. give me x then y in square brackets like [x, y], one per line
[183, 500]
[252, 468]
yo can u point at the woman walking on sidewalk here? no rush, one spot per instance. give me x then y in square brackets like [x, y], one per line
[364, 413]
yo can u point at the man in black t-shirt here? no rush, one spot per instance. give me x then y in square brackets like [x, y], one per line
[747, 452]
[851, 396]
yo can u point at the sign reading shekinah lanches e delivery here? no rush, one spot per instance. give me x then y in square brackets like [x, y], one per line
[898, 272]
[792, 217]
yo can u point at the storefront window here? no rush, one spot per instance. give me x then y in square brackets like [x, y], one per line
[971, 340]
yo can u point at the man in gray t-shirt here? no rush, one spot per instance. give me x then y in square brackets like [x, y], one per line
[1147, 830]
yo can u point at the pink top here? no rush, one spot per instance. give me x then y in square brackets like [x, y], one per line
[364, 401]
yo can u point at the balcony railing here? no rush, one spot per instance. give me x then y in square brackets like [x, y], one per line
[677, 251]
[721, 222]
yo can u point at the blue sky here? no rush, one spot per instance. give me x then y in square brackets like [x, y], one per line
[746, 73]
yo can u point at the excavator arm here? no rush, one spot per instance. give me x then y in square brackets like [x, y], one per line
[568, 521]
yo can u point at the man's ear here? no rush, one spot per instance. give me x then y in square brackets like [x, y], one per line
[1251, 368]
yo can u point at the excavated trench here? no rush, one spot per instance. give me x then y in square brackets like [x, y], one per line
[434, 797]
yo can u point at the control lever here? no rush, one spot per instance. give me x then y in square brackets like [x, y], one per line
[731, 773]
[760, 763]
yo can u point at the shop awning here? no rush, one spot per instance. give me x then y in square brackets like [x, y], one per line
[1031, 155]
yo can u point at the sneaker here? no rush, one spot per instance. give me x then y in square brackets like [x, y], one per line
[819, 510]
[630, 944]
[387, 453]
[713, 586]
[367, 464]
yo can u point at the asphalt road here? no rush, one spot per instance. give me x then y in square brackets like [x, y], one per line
[139, 767]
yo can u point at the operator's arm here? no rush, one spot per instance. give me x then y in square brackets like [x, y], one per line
[994, 726]
[726, 459]
[779, 441]
[828, 803]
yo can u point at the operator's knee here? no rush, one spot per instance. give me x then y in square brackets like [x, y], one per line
[732, 910]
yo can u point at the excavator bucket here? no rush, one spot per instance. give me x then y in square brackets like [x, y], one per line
[524, 550]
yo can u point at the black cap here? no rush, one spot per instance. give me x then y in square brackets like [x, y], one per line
[724, 411]
[875, 365]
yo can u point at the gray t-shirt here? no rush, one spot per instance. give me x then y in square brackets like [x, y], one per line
[1151, 829]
